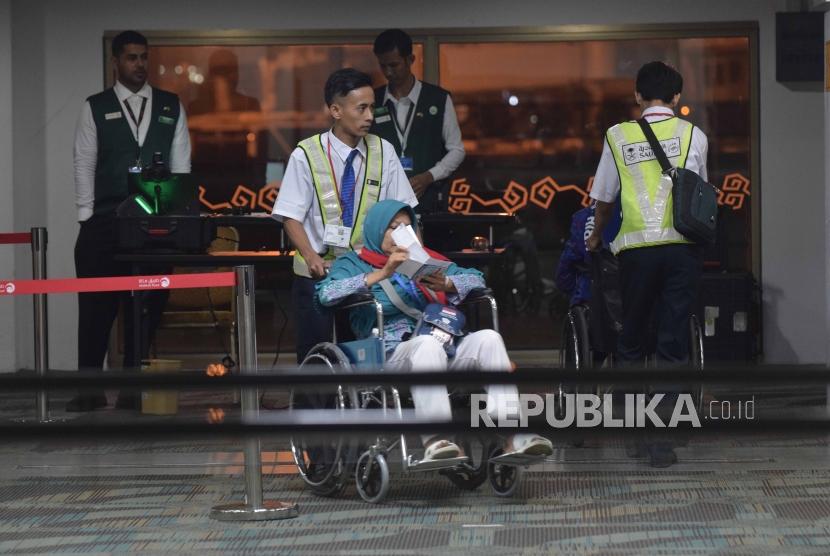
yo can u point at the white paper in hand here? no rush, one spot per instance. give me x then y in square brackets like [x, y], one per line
[404, 236]
[419, 262]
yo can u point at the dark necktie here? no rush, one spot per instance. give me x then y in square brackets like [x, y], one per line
[347, 189]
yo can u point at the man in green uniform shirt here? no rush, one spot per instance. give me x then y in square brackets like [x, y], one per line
[419, 120]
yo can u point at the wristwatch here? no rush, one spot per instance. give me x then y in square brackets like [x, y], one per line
[366, 280]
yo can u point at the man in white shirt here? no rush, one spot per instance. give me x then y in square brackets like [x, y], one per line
[331, 181]
[118, 128]
[659, 268]
[419, 120]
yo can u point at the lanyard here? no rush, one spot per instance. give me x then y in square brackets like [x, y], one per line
[334, 174]
[137, 122]
[409, 286]
[403, 134]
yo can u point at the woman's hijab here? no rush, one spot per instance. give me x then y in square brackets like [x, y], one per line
[378, 219]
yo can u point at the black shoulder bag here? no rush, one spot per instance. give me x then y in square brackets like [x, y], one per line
[694, 201]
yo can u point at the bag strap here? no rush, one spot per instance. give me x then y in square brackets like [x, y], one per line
[396, 300]
[656, 148]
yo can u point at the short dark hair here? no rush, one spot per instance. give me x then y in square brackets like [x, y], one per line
[124, 38]
[391, 39]
[344, 81]
[658, 80]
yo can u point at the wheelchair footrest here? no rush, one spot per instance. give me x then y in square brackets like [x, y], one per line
[417, 465]
[517, 459]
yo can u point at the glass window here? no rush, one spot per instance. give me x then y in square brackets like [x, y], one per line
[248, 107]
[533, 117]
[532, 111]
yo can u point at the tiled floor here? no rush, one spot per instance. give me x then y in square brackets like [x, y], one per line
[761, 494]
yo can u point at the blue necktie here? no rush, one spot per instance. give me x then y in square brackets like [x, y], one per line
[347, 190]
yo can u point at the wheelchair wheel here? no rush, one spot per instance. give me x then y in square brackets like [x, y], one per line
[372, 477]
[470, 476]
[696, 356]
[574, 355]
[695, 343]
[503, 478]
[324, 464]
[576, 349]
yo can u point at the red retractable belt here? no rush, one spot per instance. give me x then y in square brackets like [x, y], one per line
[15, 238]
[118, 283]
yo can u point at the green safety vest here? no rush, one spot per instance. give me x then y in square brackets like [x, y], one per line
[325, 187]
[645, 192]
[117, 147]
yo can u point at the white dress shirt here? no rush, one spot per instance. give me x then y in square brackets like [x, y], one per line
[607, 180]
[297, 198]
[86, 143]
[450, 132]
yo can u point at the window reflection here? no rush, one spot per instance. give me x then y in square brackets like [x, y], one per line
[533, 117]
[248, 107]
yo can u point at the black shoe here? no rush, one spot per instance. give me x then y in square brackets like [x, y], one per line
[88, 402]
[128, 401]
[661, 454]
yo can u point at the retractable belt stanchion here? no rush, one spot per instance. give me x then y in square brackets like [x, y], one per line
[254, 507]
[38, 240]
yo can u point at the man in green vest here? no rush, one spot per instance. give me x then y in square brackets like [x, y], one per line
[118, 129]
[331, 181]
[659, 268]
[419, 120]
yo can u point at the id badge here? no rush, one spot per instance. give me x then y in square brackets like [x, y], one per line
[407, 163]
[337, 236]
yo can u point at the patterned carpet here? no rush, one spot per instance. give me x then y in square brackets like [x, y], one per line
[626, 510]
[754, 495]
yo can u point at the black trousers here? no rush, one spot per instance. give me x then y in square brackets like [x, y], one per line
[659, 286]
[312, 323]
[95, 250]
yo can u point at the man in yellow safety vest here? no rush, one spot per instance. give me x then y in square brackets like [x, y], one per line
[659, 268]
[331, 181]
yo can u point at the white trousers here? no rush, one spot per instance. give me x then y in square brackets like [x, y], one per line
[482, 350]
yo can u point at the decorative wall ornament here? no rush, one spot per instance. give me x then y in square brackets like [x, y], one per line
[734, 191]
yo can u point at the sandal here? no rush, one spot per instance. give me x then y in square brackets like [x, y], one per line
[441, 449]
[531, 445]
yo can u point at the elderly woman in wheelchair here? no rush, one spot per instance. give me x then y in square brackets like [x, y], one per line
[411, 341]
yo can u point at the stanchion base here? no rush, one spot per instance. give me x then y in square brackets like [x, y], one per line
[270, 510]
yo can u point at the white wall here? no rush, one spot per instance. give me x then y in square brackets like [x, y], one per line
[30, 188]
[7, 304]
[58, 62]
[827, 182]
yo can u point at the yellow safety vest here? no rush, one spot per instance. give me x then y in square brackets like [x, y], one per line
[645, 191]
[325, 187]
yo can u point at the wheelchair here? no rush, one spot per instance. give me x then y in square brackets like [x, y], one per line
[589, 331]
[327, 465]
